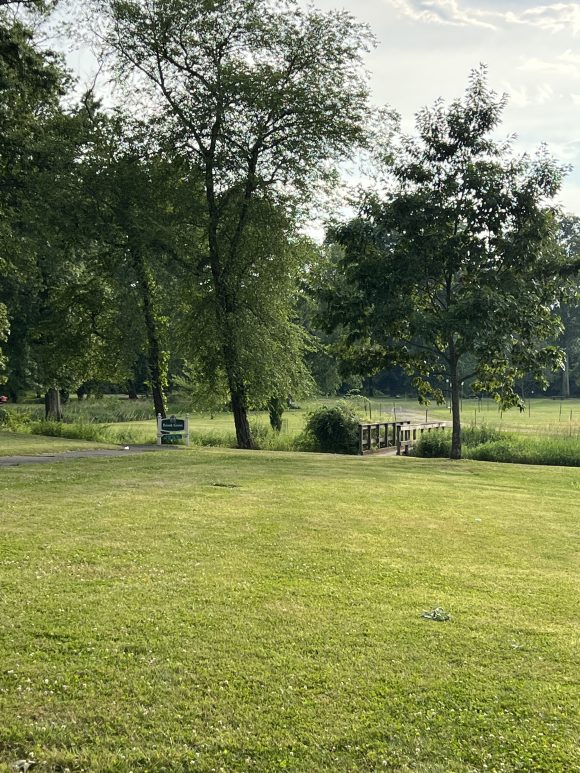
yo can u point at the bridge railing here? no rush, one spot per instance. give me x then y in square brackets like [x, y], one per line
[397, 435]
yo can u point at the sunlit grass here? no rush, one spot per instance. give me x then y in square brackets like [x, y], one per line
[220, 610]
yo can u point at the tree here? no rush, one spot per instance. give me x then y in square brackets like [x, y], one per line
[137, 205]
[455, 273]
[261, 99]
[31, 84]
[58, 308]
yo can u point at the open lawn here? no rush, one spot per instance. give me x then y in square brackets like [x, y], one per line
[218, 610]
[16, 444]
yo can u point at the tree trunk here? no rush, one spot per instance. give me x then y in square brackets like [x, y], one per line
[566, 378]
[455, 414]
[132, 391]
[52, 406]
[276, 410]
[239, 408]
[156, 363]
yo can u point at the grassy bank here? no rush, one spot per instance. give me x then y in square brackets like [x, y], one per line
[16, 444]
[230, 611]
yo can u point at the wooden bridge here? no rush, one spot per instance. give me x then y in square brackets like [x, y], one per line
[395, 437]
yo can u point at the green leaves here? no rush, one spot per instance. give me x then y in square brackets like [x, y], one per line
[455, 274]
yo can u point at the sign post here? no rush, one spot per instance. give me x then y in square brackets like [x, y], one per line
[172, 429]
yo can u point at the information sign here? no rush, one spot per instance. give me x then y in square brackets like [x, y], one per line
[173, 424]
[171, 430]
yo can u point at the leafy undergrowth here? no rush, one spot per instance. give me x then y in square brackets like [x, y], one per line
[227, 611]
[492, 445]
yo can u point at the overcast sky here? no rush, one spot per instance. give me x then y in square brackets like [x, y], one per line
[426, 49]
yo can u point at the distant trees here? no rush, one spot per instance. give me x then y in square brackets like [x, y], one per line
[454, 274]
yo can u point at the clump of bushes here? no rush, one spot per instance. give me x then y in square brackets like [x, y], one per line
[332, 430]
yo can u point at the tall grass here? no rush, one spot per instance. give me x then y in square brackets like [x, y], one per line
[488, 444]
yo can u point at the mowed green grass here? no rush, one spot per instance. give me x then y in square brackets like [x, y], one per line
[217, 610]
[16, 444]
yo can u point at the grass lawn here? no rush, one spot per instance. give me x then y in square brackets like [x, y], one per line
[216, 610]
[17, 444]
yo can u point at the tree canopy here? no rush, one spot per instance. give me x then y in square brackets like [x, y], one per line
[262, 98]
[454, 272]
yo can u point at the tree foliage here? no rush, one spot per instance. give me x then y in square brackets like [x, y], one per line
[261, 98]
[454, 273]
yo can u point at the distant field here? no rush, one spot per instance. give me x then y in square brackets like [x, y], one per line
[218, 610]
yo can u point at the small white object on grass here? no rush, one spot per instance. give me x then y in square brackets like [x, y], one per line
[21, 766]
[126, 448]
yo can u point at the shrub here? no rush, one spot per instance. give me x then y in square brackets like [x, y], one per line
[434, 444]
[14, 421]
[332, 430]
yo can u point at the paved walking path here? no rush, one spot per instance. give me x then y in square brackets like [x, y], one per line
[90, 453]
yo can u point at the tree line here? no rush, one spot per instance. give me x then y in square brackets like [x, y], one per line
[168, 228]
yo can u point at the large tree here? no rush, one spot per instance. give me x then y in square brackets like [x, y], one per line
[136, 206]
[31, 84]
[455, 272]
[261, 98]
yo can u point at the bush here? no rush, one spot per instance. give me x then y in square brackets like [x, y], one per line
[15, 421]
[434, 445]
[332, 430]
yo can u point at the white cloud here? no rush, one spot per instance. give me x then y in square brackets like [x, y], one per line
[558, 17]
[565, 65]
[443, 12]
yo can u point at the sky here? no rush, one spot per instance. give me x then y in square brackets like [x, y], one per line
[426, 49]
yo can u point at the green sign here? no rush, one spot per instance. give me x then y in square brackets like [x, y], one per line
[172, 424]
[170, 439]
